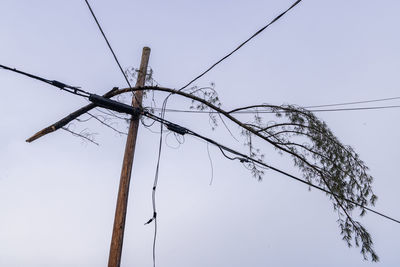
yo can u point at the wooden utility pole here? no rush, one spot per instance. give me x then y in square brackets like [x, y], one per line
[117, 239]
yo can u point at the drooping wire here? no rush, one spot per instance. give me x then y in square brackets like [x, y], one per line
[155, 183]
[108, 43]
[68, 88]
[211, 164]
[241, 45]
[178, 138]
[244, 158]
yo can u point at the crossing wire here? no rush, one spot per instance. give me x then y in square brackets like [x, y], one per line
[242, 44]
[78, 91]
[182, 130]
[244, 158]
[108, 43]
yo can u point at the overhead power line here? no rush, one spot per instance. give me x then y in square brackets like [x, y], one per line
[78, 91]
[356, 102]
[242, 44]
[266, 111]
[123, 108]
[353, 109]
[108, 43]
[244, 158]
[96, 99]
[68, 88]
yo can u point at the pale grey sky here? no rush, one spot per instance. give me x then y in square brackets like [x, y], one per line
[57, 195]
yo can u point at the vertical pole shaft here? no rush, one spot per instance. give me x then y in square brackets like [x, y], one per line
[114, 259]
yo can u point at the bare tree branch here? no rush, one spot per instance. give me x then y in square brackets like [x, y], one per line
[86, 137]
[106, 124]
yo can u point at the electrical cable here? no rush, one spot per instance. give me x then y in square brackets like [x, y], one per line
[100, 101]
[354, 109]
[247, 158]
[108, 44]
[153, 198]
[155, 183]
[265, 111]
[356, 102]
[244, 158]
[112, 51]
[182, 131]
[241, 45]
[68, 88]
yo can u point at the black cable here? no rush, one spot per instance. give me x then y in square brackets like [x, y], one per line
[244, 158]
[155, 183]
[100, 101]
[242, 44]
[153, 198]
[108, 43]
[25, 73]
[68, 88]
[182, 130]
[247, 158]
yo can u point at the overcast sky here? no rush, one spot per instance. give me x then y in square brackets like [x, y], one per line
[58, 194]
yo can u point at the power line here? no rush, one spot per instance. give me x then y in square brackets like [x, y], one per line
[108, 44]
[356, 102]
[100, 101]
[352, 109]
[120, 107]
[68, 88]
[78, 91]
[241, 45]
[244, 158]
[247, 158]
[266, 111]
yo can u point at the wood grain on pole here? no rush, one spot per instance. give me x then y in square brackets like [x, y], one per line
[114, 259]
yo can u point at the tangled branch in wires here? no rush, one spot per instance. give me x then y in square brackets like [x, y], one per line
[324, 161]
